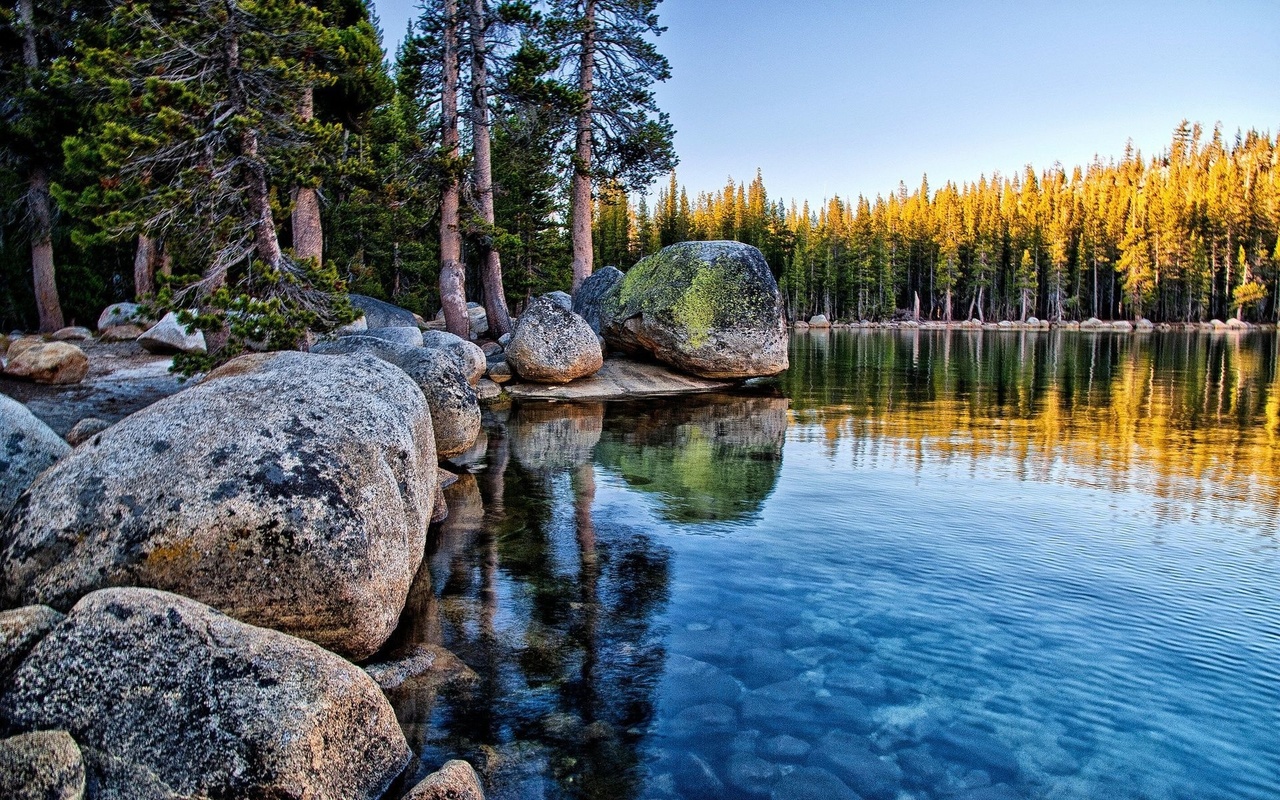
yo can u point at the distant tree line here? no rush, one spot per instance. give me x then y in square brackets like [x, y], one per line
[1191, 234]
[251, 161]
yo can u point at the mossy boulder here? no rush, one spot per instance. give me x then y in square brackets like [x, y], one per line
[708, 308]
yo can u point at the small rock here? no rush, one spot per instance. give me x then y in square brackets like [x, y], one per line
[456, 780]
[409, 337]
[30, 447]
[171, 336]
[351, 328]
[690, 682]
[553, 345]
[487, 390]
[491, 349]
[504, 340]
[44, 765]
[86, 429]
[819, 321]
[1033, 321]
[499, 372]
[72, 334]
[476, 316]
[120, 333]
[423, 665]
[848, 757]
[49, 362]
[811, 783]
[121, 314]
[1122, 325]
[20, 630]
[710, 719]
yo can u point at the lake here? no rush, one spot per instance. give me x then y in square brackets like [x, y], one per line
[922, 564]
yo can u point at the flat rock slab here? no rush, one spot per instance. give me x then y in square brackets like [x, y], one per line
[619, 378]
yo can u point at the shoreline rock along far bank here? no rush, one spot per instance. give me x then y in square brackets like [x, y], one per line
[291, 491]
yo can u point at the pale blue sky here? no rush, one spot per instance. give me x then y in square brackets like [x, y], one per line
[831, 97]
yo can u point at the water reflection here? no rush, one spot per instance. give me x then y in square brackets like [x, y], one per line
[1185, 417]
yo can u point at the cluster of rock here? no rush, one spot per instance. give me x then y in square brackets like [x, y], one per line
[188, 589]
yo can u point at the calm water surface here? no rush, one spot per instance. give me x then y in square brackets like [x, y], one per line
[922, 565]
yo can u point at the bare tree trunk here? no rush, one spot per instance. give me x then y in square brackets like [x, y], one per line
[495, 299]
[42, 272]
[453, 296]
[580, 199]
[146, 260]
[308, 237]
[39, 206]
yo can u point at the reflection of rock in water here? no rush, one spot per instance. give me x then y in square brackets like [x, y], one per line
[550, 437]
[714, 457]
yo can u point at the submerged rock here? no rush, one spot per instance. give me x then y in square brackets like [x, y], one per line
[168, 697]
[171, 336]
[709, 308]
[811, 783]
[29, 448]
[48, 362]
[44, 765]
[455, 408]
[288, 490]
[553, 345]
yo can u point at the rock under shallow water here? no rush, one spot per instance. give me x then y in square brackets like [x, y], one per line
[43, 765]
[30, 447]
[848, 757]
[288, 490]
[48, 362]
[163, 691]
[709, 308]
[811, 783]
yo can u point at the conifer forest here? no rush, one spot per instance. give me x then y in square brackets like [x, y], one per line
[251, 161]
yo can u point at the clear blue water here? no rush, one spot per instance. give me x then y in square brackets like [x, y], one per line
[922, 565]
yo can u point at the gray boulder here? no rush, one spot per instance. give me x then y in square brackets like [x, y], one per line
[589, 299]
[378, 314]
[708, 308]
[44, 765]
[562, 299]
[121, 314]
[171, 336]
[30, 447]
[552, 345]
[168, 697]
[288, 490]
[467, 356]
[455, 408]
[20, 630]
[456, 780]
[409, 337]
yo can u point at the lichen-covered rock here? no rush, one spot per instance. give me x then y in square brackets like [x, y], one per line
[86, 429]
[553, 345]
[409, 337]
[709, 308]
[71, 334]
[588, 301]
[288, 490]
[49, 362]
[456, 780]
[467, 356]
[43, 765]
[27, 448]
[455, 409]
[171, 336]
[162, 691]
[121, 314]
[378, 314]
[20, 630]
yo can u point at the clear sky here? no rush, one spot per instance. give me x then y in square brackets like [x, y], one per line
[851, 96]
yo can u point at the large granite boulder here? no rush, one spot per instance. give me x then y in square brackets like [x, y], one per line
[171, 336]
[553, 345]
[378, 314]
[588, 301]
[28, 448]
[48, 362]
[455, 408]
[467, 356]
[288, 490]
[709, 308]
[20, 630]
[43, 765]
[170, 698]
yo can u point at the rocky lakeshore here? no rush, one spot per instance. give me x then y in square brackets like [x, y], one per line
[211, 586]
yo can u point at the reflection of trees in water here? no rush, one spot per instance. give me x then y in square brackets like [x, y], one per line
[552, 608]
[1178, 415]
[707, 458]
